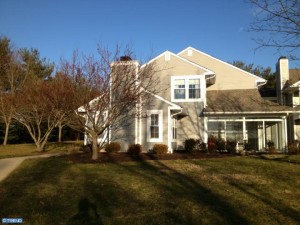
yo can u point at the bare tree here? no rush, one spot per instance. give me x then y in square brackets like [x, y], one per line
[37, 111]
[107, 91]
[280, 21]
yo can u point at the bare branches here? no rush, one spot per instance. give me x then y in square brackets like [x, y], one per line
[280, 20]
[107, 90]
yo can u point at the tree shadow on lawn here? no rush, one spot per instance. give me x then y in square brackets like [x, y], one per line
[175, 185]
[269, 200]
[32, 193]
[87, 214]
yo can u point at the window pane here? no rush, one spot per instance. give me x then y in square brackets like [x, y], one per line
[179, 93]
[154, 132]
[194, 88]
[179, 83]
[154, 119]
[194, 93]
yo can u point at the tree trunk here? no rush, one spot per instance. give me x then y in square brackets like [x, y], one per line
[39, 147]
[7, 125]
[94, 147]
[59, 132]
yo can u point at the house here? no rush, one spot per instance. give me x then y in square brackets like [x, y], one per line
[287, 93]
[202, 96]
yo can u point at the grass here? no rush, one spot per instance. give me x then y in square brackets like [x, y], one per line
[17, 150]
[239, 190]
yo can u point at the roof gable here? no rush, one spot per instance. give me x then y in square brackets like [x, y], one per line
[166, 53]
[259, 79]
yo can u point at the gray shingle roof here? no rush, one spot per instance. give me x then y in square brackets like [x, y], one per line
[241, 101]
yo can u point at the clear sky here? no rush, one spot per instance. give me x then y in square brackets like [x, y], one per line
[149, 27]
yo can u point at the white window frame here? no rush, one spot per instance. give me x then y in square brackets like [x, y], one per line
[187, 78]
[160, 125]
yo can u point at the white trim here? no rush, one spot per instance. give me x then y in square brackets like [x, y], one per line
[205, 131]
[285, 144]
[164, 100]
[241, 120]
[170, 134]
[169, 141]
[294, 85]
[228, 64]
[140, 122]
[160, 125]
[257, 112]
[187, 78]
[207, 71]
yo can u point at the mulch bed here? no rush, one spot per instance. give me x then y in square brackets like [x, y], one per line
[124, 157]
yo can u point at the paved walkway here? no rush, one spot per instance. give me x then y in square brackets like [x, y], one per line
[10, 164]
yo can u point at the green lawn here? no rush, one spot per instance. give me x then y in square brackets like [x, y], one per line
[17, 150]
[239, 190]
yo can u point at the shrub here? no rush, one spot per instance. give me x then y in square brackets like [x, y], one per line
[271, 147]
[135, 149]
[293, 148]
[211, 144]
[86, 148]
[190, 144]
[248, 146]
[231, 146]
[202, 147]
[160, 149]
[113, 147]
[220, 144]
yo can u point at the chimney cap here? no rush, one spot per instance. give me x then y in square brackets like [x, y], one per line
[282, 57]
[125, 58]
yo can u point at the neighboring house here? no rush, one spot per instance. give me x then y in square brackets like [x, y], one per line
[205, 96]
[287, 93]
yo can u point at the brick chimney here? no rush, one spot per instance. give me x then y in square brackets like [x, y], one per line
[282, 76]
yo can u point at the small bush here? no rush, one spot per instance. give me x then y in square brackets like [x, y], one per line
[231, 146]
[293, 148]
[190, 144]
[211, 144]
[202, 147]
[220, 144]
[135, 149]
[248, 146]
[160, 149]
[113, 147]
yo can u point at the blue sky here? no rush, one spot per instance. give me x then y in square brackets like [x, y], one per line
[58, 27]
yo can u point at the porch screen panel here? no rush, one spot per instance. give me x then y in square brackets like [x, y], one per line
[234, 131]
[216, 129]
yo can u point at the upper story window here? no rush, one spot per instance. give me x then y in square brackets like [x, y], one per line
[185, 88]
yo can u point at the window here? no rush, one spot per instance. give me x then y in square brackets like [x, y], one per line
[185, 88]
[154, 125]
[179, 89]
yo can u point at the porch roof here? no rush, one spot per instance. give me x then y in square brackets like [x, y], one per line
[241, 101]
